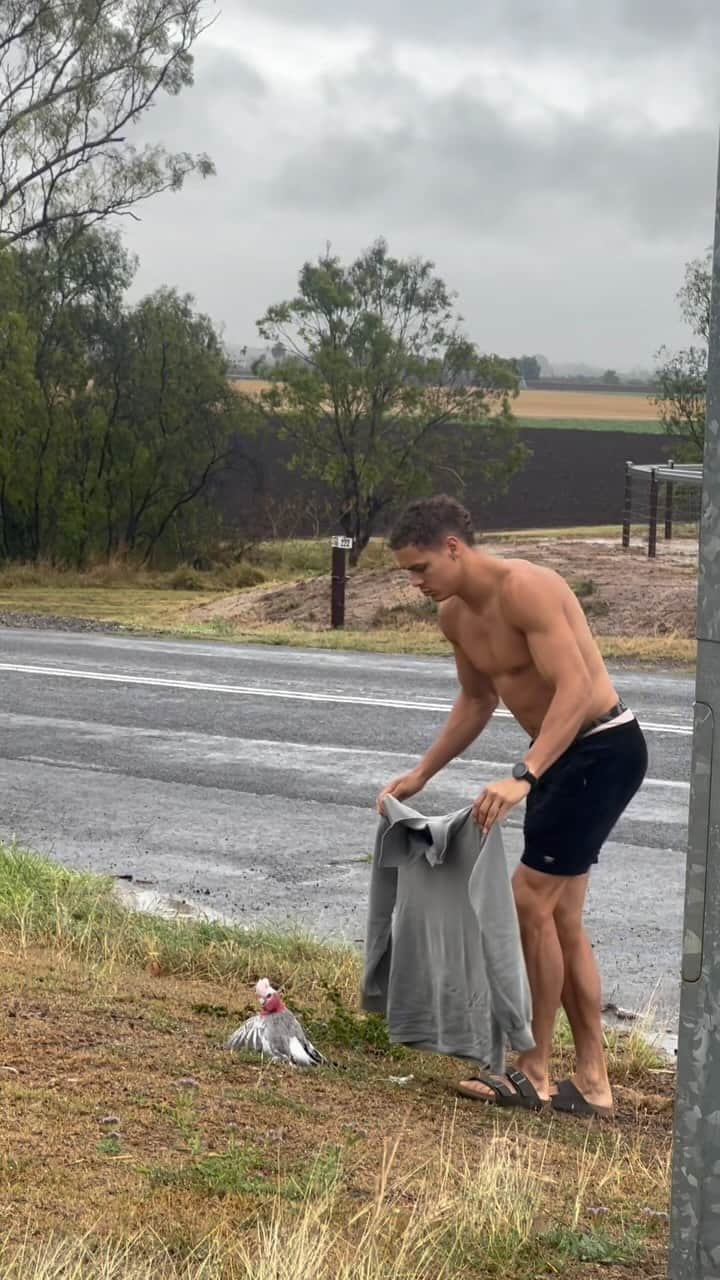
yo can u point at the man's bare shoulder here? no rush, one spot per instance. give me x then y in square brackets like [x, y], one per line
[528, 588]
[447, 616]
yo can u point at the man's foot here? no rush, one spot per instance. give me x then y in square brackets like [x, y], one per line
[567, 1096]
[511, 1090]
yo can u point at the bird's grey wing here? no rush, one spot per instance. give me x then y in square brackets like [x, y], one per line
[249, 1036]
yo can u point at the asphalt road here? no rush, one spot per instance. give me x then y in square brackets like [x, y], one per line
[244, 778]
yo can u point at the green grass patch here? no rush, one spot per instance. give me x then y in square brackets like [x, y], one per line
[77, 912]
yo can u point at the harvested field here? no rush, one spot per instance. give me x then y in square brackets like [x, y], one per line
[622, 594]
[585, 404]
[605, 405]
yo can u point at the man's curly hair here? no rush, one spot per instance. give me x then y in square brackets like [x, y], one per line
[425, 522]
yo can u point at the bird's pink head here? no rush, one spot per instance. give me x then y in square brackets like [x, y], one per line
[273, 1004]
[269, 998]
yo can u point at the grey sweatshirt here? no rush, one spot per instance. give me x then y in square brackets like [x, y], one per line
[443, 958]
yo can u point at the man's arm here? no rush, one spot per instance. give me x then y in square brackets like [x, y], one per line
[537, 608]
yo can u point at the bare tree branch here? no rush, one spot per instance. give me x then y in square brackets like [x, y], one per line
[73, 77]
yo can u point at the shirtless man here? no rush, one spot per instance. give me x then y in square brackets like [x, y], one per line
[520, 637]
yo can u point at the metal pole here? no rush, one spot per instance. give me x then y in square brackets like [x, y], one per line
[669, 504]
[695, 1210]
[627, 505]
[652, 530]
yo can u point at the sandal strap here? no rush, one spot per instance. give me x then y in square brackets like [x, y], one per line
[523, 1085]
[498, 1087]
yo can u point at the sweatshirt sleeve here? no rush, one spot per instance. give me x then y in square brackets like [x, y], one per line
[492, 899]
[378, 934]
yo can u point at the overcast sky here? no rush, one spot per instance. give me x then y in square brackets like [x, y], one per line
[555, 160]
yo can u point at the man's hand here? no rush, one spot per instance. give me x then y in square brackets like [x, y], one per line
[408, 784]
[497, 800]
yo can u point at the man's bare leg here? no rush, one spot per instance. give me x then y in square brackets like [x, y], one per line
[536, 897]
[581, 994]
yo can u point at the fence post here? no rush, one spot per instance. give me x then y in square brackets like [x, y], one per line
[627, 505]
[669, 494]
[652, 530]
[340, 547]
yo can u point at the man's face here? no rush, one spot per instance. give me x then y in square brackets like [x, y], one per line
[433, 570]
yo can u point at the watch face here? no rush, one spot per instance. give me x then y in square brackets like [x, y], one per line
[519, 770]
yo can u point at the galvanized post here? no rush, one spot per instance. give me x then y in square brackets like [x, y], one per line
[652, 530]
[338, 575]
[695, 1211]
[669, 494]
[627, 505]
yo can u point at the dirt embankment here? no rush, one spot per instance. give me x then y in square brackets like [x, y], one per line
[622, 593]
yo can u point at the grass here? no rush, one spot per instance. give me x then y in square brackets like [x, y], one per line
[633, 426]
[135, 1146]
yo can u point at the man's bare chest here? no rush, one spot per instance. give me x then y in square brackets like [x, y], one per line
[491, 645]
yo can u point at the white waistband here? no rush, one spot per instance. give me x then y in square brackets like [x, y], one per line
[624, 718]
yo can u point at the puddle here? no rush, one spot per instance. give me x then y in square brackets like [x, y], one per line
[150, 902]
[659, 1036]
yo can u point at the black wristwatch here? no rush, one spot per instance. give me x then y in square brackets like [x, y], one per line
[523, 774]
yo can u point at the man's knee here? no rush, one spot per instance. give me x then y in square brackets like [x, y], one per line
[569, 925]
[535, 899]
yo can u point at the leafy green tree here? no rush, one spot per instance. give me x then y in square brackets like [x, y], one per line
[73, 296]
[381, 390]
[113, 421]
[529, 367]
[611, 378]
[682, 375]
[20, 404]
[76, 76]
[170, 416]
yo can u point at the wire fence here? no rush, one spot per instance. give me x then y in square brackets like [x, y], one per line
[662, 502]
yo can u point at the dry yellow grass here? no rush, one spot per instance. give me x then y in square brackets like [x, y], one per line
[584, 404]
[605, 405]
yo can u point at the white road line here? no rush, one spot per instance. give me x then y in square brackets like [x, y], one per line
[499, 767]
[288, 694]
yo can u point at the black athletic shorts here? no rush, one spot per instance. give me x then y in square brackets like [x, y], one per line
[577, 801]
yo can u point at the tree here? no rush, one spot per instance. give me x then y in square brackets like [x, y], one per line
[169, 419]
[694, 296]
[20, 404]
[610, 378]
[529, 367]
[73, 293]
[113, 421]
[75, 77]
[381, 389]
[682, 375]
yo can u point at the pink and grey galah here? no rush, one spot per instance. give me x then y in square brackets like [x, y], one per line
[275, 1032]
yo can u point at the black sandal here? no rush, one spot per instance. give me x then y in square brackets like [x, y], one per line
[569, 1099]
[524, 1095]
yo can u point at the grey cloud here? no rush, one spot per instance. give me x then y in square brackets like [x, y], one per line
[624, 27]
[471, 165]
[569, 238]
[227, 89]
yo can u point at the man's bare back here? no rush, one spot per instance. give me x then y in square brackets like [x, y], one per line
[489, 636]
